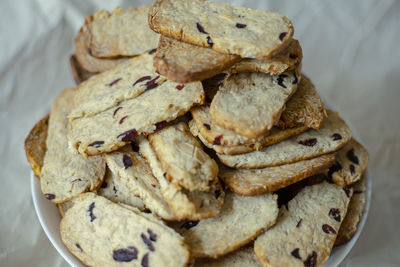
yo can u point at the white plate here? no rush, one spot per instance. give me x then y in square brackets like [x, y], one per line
[49, 218]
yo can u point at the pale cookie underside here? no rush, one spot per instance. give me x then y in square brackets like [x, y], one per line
[241, 220]
[65, 173]
[78, 72]
[270, 179]
[224, 28]
[305, 232]
[35, 145]
[242, 257]
[183, 62]
[102, 233]
[252, 103]
[183, 158]
[309, 144]
[120, 33]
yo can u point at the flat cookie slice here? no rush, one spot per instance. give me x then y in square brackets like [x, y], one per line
[78, 72]
[251, 103]
[266, 180]
[305, 107]
[194, 205]
[135, 178]
[91, 63]
[241, 220]
[354, 213]
[307, 145]
[114, 127]
[102, 233]
[183, 62]
[65, 173]
[35, 145]
[351, 162]
[120, 33]
[183, 158]
[222, 27]
[242, 257]
[305, 232]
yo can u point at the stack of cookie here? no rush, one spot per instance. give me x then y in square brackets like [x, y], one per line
[212, 149]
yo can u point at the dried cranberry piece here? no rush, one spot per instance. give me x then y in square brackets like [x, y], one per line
[217, 193]
[134, 147]
[180, 86]
[115, 189]
[328, 229]
[160, 125]
[217, 140]
[282, 35]
[91, 207]
[128, 136]
[147, 241]
[240, 25]
[153, 236]
[125, 254]
[104, 184]
[295, 253]
[152, 83]
[334, 168]
[351, 156]
[208, 127]
[336, 136]
[200, 28]
[116, 110]
[295, 79]
[189, 224]
[79, 247]
[311, 260]
[152, 51]
[335, 214]
[299, 223]
[145, 260]
[281, 79]
[209, 41]
[352, 169]
[122, 119]
[127, 161]
[347, 190]
[141, 79]
[97, 144]
[50, 196]
[76, 180]
[292, 56]
[308, 142]
[114, 82]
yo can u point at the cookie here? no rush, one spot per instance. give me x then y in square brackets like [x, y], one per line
[241, 220]
[305, 107]
[134, 179]
[224, 139]
[124, 32]
[65, 173]
[251, 103]
[222, 27]
[183, 62]
[78, 73]
[270, 179]
[91, 63]
[351, 162]
[354, 213]
[35, 145]
[148, 112]
[305, 232]
[194, 205]
[286, 60]
[102, 233]
[183, 158]
[307, 145]
[242, 257]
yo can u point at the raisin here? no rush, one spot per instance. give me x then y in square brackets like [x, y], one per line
[97, 144]
[328, 229]
[308, 142]
[200, 28]
[217, 193]
[282, 35]
[152, 51]
[351, 156]
[292, 56]
[209, 41]
[295, 253]
[91, 207]
[49, 196]
[145, 260]
[281, 79]
[141, 79]
[208, 127]
[352, 169]
[114, 82]
[79, 247]
[180, 86]
[311, 260]
[116, 110]
[152, 83]
[347, 190]
[160, 125]
[336, 136]
[240, 25]
[125, 254]
[153, 236]
[128, 136]
[217, 140]
[335, 214]
[295, 79]
[104, 184]
[147, 242]
[334, 168]
[299, 223]
[122, 119]
[134, 147]
[127, 161]
[189, 224]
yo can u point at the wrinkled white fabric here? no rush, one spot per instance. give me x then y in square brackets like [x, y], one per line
[351, 53]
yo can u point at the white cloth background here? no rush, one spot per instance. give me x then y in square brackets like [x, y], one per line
[351, 52]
